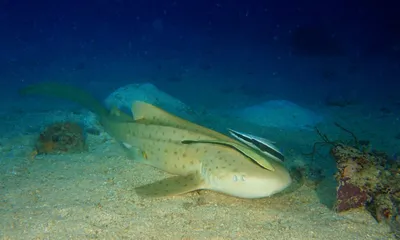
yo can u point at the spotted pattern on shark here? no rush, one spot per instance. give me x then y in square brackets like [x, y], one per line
[208, 159]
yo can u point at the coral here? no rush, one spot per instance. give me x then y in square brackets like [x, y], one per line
[61, 138]
[365, 178]
[350, 196]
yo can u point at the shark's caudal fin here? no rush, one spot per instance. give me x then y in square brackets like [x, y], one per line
[67, 92]
[147, 113]
[75, 94]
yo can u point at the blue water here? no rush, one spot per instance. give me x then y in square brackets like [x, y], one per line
[338, 59]
[294, 50]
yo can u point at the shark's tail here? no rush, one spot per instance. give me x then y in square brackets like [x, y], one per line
[67, 92]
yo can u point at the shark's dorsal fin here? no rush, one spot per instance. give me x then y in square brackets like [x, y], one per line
[147, 113]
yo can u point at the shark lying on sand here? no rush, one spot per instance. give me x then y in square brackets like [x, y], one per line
[200, 158]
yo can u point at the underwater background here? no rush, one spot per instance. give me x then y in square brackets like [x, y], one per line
[311, 76]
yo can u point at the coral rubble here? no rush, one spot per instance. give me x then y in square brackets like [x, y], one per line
[61, 138]
[367, 179]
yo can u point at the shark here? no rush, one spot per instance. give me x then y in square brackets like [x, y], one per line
[198, 158]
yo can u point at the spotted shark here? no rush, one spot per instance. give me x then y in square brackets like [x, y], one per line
[198, 157]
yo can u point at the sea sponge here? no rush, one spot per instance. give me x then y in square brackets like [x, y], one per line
[66, 137]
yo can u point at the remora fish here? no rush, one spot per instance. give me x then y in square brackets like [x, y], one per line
[199, 157]
[264, 145]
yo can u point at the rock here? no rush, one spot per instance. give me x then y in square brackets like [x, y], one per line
[281, 114]
[350, 196]
[67, 137]
[124, 97]
[366, 179]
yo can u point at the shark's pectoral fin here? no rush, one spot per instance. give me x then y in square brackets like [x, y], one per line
[171, 186]
[250, 153]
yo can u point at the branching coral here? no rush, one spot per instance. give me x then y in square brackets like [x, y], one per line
[325, 141]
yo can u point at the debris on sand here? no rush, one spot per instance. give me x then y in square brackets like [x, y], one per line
[59, 138]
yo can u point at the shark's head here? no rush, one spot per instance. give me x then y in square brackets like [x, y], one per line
[252, 181]
[265, 183]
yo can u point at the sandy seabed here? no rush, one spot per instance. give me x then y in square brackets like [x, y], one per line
[91, 196]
